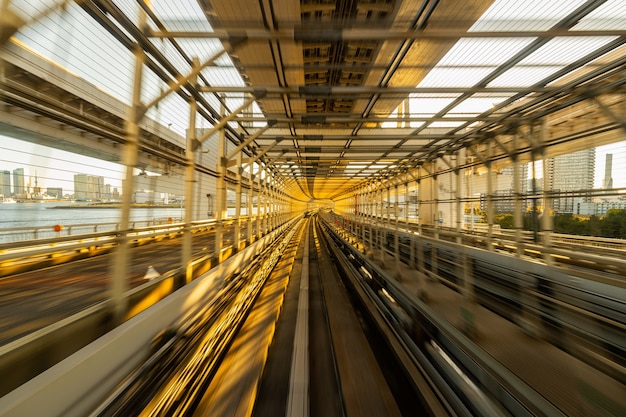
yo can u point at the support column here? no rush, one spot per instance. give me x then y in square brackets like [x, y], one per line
[259, 232]
[238, 190]
[381, 225]
[465, 265]
[421, 269]
[250, 203]
[370, 218]
[363, 220]
[490, 215]
[409, 229]
[119, 280]
[458, 198]
[406, 202]
[265, 201]
[518, 219]
[220, 203]
[435, 194]
[546, 217]
[396, 234]
[190, 170]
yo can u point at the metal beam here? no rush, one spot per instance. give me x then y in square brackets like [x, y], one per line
[313, 118]
[263, 152]
[225, 120]
[250, 139]
[323, 90]
[334, 34]
[174, 86]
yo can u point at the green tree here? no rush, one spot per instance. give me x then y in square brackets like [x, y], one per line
[505, 221]
[594, 226]
[614, 224]
[570, 224]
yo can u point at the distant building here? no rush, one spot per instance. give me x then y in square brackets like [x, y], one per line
[585, 208]
[570, 174]
[19, 187]
[5, 183]
[54, 192]
[88, 187]
[607, 182]
[149, 197]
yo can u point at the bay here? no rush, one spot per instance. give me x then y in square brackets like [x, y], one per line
[38, 215]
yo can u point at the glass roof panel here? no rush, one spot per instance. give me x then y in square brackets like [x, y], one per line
[549, 59]
[523, 76]
[565, 50]
[429, 104]
[477, 104]
[610, 15]
[515, 15]
[483, 52]
[446, 124]
[455, 77]
[179, 12]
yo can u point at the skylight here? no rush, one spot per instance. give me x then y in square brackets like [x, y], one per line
[515, 15]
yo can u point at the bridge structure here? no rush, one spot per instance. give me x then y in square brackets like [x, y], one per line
[411, 127]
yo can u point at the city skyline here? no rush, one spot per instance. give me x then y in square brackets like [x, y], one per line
[56, 168]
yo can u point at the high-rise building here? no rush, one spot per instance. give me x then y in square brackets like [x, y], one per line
[88, 187]
[80, 187]
[571, 175]
[19, 189]
[607, 182]
[55, 192]
[5, 183]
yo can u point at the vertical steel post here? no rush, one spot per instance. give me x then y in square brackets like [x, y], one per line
[397, 231]
[258, 204]
[518, 219]
[421, 269]
[435, 196]
[263, 185]
[372, 218]
[238, 190]
[119, 281]
[458, 196]
[190, 171]
[546, 218]
[220, 203]
[381, 224]
[407, 205]
[490, 215]
[250, 202]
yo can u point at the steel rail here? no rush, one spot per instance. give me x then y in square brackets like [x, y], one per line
[503, 385]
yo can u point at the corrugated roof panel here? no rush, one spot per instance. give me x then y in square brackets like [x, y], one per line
[385, 132]
[429, 104]
[417, 142]
[483, 52]
[523, 76]
[455, 77]
[515, 15]
[223, 76]
[446, 124]
[609, 16]
[565, 50]
[477, 104]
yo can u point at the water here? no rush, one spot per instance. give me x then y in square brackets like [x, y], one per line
[42, 215]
